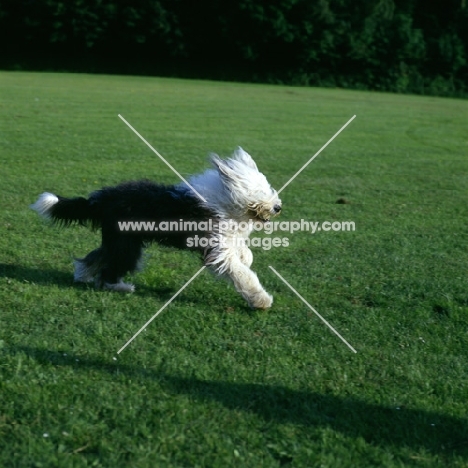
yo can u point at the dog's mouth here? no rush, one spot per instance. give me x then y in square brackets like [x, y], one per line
[260, 212]
[263, 217]
[255, 216]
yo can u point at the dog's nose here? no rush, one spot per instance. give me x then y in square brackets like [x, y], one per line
[277, 208]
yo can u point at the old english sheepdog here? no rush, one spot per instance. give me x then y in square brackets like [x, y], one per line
[218, 209]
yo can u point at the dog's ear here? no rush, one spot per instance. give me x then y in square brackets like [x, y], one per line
[244, 157]
[222, 166]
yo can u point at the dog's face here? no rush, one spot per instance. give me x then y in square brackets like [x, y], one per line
[248, 188]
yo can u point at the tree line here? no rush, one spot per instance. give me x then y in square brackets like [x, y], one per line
[390, 45]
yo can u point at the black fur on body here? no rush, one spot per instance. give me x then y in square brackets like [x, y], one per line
[120, 251]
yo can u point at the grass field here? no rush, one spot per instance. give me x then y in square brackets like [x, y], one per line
[211, 383]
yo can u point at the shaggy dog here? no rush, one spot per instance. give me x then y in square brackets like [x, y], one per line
[234, 196]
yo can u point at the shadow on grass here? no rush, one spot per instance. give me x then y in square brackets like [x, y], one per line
[436, 432]
[65, 279]
[35, 275]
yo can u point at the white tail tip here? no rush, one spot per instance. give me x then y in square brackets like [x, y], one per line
[44, 204]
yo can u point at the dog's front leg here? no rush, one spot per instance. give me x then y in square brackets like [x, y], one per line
[248, 285]
[245, 256]
[231, 257]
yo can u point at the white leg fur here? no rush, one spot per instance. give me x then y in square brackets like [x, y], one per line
[119, 287]
[247, 284]
[83, 273]
[233, 258]
[246, 256]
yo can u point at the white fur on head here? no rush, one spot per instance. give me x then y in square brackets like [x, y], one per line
[44, 204]
[241, 155]
[236, 189]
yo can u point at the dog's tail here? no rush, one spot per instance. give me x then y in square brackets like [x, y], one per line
[64, 211]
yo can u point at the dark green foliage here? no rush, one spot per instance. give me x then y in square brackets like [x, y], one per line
[394, 45]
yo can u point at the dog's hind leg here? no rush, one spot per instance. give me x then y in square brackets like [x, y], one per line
[88, 267]
[122, 255]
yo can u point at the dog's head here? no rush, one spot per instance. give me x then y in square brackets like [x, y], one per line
[248, 189]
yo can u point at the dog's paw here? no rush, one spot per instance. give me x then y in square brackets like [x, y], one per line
[261, 300]
[119, 287]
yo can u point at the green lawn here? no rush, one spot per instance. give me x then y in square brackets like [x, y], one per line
[211, 383]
